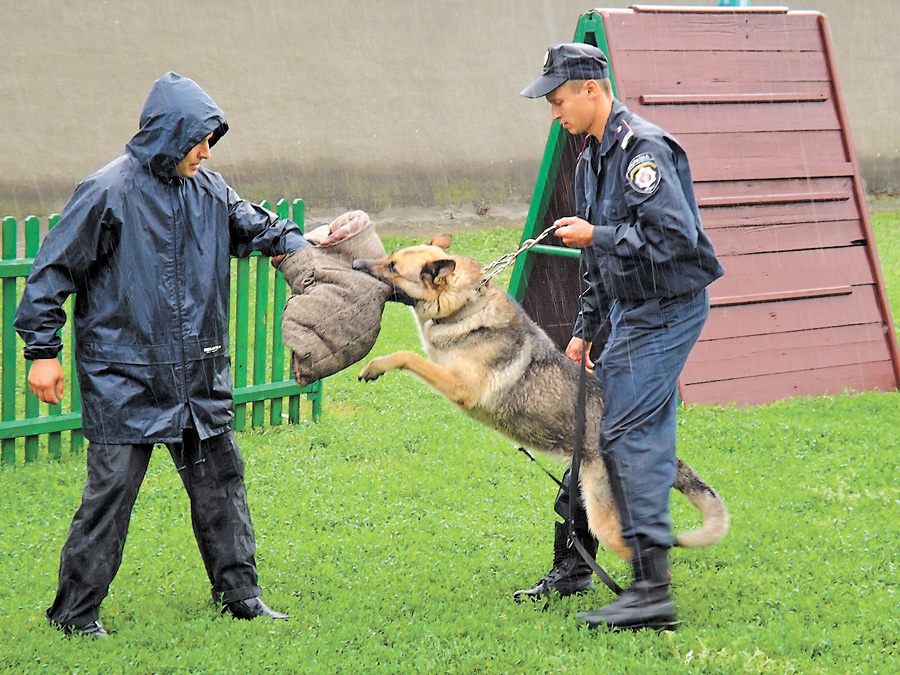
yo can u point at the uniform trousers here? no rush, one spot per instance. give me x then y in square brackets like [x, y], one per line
[212, 472]
[648, 345]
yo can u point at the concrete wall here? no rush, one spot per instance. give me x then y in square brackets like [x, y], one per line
[345, 103]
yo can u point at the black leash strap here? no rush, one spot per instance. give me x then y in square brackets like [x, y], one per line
[574, 483]
[576, 542]
[577, 451]
[531, 457]
[599, 571]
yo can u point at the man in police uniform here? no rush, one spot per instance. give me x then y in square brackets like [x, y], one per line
[648, 265]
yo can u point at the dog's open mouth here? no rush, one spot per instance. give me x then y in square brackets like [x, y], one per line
[397, 295]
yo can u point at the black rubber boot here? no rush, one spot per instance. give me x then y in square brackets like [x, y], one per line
[646, 603]
[251, 608]
[570, 573]
[93, 629]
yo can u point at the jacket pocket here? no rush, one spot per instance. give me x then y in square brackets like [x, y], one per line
[142, 355]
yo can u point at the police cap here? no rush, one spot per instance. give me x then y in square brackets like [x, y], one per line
[568, 61]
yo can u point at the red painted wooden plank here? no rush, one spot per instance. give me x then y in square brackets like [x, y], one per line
[781, 296]
[767, 388]
[748, 117]
[791, 271]
[693, 32]
[737, 167]
[743, 98]
[670, 9]
[739, 357]
[733, 241]
[639, 72]
[767, 214]
[859, 191]
[714, 88]
[806, 147]
[788, 199]
[743, 156]
[860, 307]
[767, 188]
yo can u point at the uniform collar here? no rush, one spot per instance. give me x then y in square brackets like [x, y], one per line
[611, 134]
[600, 148]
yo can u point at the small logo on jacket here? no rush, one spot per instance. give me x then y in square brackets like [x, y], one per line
[212, 350]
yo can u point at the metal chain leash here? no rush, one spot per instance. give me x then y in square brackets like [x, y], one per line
[508, 259]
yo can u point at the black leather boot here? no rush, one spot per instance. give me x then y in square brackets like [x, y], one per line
[570, 573]
[93, 629]
[252, 608]
[646, 603]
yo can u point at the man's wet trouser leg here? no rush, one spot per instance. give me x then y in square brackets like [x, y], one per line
[92, 553]
[212, 471]
[648, 347]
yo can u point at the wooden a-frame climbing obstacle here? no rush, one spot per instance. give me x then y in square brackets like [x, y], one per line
[753, 96]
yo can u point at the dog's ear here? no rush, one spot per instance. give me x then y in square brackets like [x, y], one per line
[438, 270]
[441, 241]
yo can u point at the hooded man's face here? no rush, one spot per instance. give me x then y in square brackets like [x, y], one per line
[188, 166]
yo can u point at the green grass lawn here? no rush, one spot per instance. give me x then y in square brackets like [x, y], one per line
[396, 530]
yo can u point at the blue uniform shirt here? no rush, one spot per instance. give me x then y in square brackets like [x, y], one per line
[634, 185]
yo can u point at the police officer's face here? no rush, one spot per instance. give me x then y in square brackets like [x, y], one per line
[188, 166]
[579, 107]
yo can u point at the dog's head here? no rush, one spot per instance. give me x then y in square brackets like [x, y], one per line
[426, 277]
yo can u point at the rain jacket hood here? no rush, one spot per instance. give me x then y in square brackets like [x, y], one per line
[148, 257]
[177, 115]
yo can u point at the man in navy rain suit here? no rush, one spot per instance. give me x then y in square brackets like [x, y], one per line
[145, 244]
[648, 265]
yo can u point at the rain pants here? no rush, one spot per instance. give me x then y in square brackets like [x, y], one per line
[148, 256]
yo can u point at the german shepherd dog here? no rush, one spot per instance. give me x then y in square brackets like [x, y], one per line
[486, 355]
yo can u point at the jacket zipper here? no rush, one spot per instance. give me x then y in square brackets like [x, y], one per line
[179, 207]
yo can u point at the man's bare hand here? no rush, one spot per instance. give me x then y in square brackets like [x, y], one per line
[576, 348]
[46, 379]
[575, 232]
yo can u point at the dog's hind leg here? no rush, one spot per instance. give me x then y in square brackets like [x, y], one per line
[603, 519]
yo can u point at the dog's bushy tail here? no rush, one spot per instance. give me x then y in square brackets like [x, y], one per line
[710, 505]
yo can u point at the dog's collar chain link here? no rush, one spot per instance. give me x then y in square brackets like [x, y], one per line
[508, 259]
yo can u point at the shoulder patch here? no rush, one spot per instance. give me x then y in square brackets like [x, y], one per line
[643, 174]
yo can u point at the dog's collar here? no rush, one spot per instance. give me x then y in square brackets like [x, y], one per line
[465, 311]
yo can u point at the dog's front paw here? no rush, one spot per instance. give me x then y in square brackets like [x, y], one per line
[373, 370]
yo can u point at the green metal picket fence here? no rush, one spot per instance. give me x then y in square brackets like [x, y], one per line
[260, 362]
